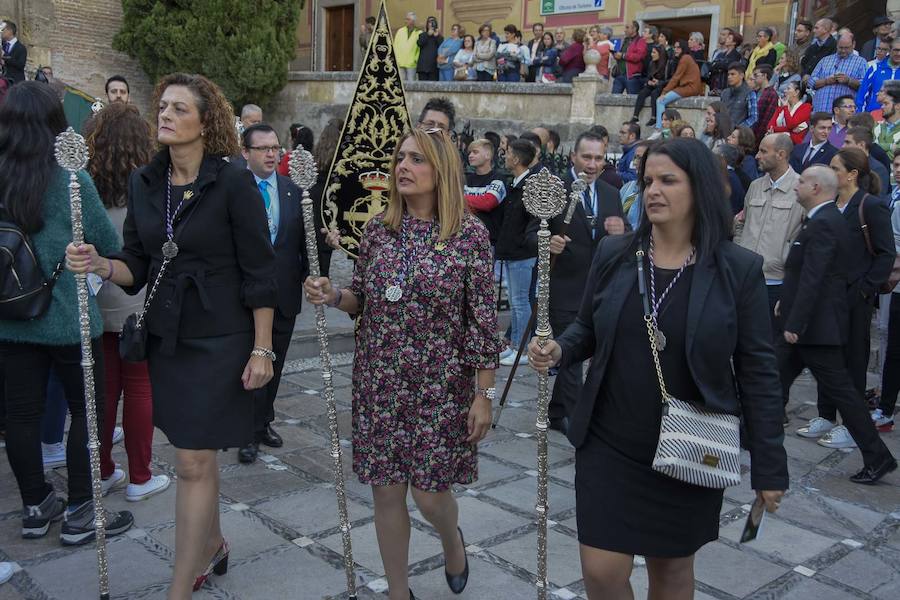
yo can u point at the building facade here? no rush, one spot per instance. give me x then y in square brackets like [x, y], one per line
[329, 28]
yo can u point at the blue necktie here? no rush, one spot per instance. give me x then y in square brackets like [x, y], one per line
[5, 47]
[264, 190]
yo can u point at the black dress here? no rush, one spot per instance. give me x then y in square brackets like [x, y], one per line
[623, 504]
[200, 323]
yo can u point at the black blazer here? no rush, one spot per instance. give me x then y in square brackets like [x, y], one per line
[814, 292]
[728, 319]
[225, 265]
[868, 272]
[822, 157]
[814, 53]
[291, 262]
[15, 62]
[571, 267]
[512, 243]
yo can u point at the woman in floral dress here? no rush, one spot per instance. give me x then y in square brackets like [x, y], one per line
[426, 350]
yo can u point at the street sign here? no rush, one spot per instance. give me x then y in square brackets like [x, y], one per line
[558, 7]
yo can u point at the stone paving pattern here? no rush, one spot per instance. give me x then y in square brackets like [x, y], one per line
[830, 540]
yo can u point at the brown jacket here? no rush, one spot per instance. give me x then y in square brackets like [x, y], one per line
[686, 80]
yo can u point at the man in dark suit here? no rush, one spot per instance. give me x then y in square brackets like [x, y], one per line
[15, 54]
[816, 317]
[597, 214]
[818, 150]
[282, 198]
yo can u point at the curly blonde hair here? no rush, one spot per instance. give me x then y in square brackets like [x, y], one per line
[216, 112]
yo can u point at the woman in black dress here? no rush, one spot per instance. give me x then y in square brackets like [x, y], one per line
[711, 306]
[210, 323]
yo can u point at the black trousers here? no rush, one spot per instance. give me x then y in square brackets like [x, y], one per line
[264, 397]
[647, 92]
[569, 380]
[856, 353]
[890, 378]
[26, 368]
[827, 364]
[774, 292]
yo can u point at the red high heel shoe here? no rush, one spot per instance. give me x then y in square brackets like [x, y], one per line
[218, 565]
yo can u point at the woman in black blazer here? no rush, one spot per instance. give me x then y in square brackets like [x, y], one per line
[210, 323]
[713, 311]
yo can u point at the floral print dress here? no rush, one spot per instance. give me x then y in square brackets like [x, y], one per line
[415, 360]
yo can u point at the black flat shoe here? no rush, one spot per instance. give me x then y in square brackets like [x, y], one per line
[457, 583]
[247, 455]
[269, 437]
[871, 474]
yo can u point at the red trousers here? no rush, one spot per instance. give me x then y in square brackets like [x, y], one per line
[133, 381]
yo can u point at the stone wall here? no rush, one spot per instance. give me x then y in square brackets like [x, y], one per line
[312, 98]
[75, 38]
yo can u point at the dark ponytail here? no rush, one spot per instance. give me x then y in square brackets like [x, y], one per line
[855, 159]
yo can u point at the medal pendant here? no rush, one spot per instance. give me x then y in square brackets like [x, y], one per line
[660, 339]
[393, 293]
[170, 249]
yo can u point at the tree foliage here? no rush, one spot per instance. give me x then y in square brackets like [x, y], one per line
[245, 46]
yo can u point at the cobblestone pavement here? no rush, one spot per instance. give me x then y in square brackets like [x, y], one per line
[830, 540]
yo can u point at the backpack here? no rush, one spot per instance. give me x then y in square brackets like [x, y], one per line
[24, 293]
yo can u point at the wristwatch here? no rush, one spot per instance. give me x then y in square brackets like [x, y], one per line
[489, 393]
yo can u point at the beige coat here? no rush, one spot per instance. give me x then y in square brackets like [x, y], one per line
[771, 221]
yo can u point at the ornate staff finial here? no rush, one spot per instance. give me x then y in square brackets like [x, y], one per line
[97, 106]
[71, 151]
[72, 155]
[303, 168]
[544, 195]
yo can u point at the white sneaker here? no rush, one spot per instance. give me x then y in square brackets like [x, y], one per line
[511, 359]
[117, 479]
[118, 434]
[135, 492]
[54, 455]
[6, 571]
[883, 423]
[838, 437]
[506, 352]
[816, 428]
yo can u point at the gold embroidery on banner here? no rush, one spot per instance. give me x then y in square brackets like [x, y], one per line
[359, 178]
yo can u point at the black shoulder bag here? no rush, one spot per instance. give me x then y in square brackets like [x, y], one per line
[24, 293]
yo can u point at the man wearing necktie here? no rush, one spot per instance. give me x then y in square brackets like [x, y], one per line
[818, 150]
[816, 316]
[598, 214]
[281, 198]
[15, 54]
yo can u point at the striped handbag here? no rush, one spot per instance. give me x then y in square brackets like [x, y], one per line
[695, 446]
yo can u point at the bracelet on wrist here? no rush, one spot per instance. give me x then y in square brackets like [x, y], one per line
[263, 353]
[110, 267]
[337, 299]
[489, 393]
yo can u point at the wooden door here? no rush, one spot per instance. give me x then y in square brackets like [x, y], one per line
[339, 38]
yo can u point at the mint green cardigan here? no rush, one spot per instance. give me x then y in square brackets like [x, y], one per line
[59, 325]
